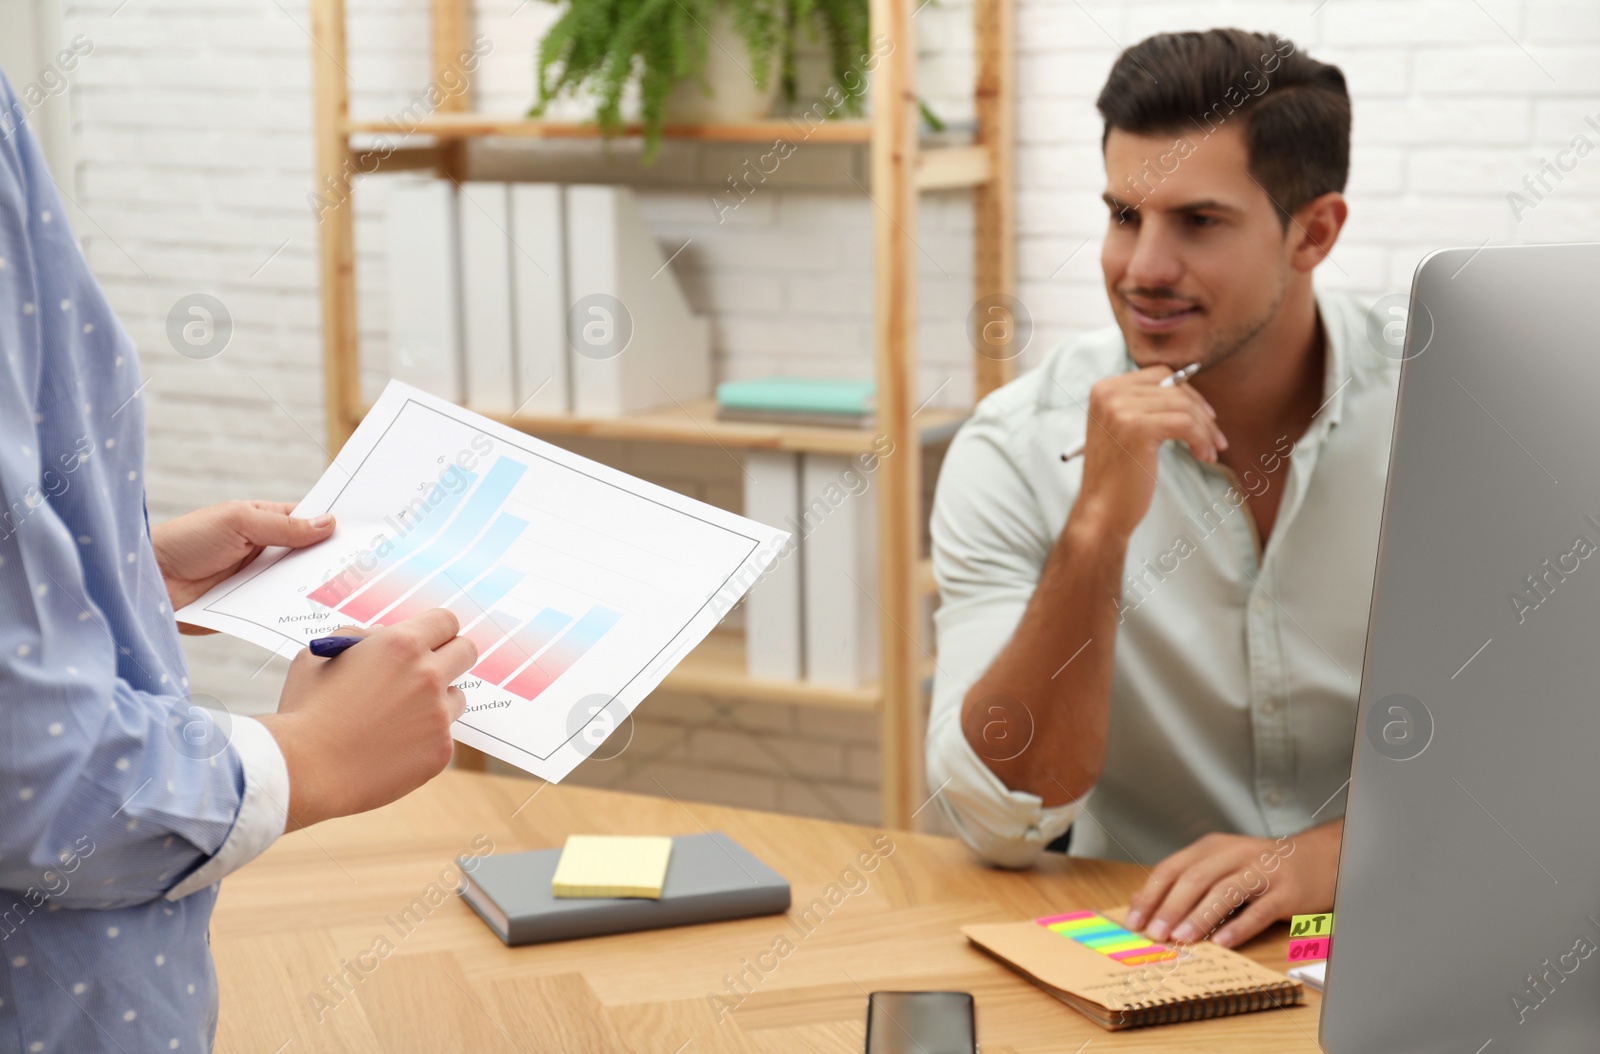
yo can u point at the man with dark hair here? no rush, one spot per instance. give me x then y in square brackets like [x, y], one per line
[1155, 590]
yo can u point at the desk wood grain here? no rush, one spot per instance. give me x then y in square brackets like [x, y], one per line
[414, 969]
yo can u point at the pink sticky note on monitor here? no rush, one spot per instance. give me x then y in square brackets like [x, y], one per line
[1309, 948]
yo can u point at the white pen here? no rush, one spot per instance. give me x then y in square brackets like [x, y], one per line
[1181, 377]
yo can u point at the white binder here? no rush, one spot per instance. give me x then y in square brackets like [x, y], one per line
[772, 610]
[838, 517]
[424, 292]
[634, 342]
[539, 296]
[485, 221]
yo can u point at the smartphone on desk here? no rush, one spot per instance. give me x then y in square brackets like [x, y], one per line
[921, 1023]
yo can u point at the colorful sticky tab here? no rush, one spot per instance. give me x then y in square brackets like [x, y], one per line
[1100, 934]
[1308, 949]
[1071, 916]
[1312, 925]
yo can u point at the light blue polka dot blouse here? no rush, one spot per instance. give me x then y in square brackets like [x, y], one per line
[113, 792]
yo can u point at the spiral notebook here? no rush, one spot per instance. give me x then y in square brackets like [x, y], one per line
[1119, 979]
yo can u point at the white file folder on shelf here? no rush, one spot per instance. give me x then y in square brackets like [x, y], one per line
[424, 291]
[772, 610]
[635, 344]
[485, 220]
[838, 524]
[539, 293]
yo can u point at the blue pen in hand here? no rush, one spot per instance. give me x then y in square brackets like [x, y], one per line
[328, 647]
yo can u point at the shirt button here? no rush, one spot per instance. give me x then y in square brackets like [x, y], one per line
[1274, 797]
[1259, 604]
[1269, 707]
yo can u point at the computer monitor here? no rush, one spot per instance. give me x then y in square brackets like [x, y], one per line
[1468, 904]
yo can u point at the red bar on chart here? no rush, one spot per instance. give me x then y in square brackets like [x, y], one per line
[520, 646]
[363, 607]
[334, 591]
[489, 631]
[544, 670]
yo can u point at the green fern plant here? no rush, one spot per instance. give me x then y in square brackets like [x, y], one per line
[600, 47]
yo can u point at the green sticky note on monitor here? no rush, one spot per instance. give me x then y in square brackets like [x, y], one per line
[1312, 925]
[604, 865]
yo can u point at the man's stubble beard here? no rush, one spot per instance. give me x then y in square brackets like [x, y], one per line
[1223, 346]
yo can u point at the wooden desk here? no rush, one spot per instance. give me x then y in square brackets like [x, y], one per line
[444, 983]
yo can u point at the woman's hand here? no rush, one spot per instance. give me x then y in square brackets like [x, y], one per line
[199, 549]
[372, 725]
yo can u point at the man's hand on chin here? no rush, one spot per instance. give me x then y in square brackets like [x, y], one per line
[1192, 893]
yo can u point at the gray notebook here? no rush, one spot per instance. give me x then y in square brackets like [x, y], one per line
[710, 878]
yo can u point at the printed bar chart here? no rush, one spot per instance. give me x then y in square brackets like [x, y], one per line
[580, 586]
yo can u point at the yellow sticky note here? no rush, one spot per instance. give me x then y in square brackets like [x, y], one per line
[1311, 925]
[604, 865]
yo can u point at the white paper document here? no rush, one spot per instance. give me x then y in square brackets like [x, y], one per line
[1313, 974]
[581, 586]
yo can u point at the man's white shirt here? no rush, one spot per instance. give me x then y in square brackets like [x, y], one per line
[1236, 670]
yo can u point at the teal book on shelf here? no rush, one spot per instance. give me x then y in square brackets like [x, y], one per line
[799, 400]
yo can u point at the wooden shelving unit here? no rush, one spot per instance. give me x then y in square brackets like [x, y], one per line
[901, 171]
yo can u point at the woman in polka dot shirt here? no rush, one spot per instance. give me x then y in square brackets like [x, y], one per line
[122, 804]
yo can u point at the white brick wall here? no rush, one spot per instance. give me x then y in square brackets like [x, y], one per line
[192, 139]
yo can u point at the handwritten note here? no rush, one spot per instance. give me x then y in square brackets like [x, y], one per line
[1309, 948]
[1199, 971]
[1311, 925]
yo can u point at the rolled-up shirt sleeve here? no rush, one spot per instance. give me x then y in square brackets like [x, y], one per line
[990, 543]
[263, 807]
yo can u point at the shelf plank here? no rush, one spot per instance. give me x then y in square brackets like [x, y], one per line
[953, 167]
[475, 125]
[402, 159]
[717, 668]
[695, 422]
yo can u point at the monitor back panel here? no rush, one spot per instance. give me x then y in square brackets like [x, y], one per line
[1468, 901]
